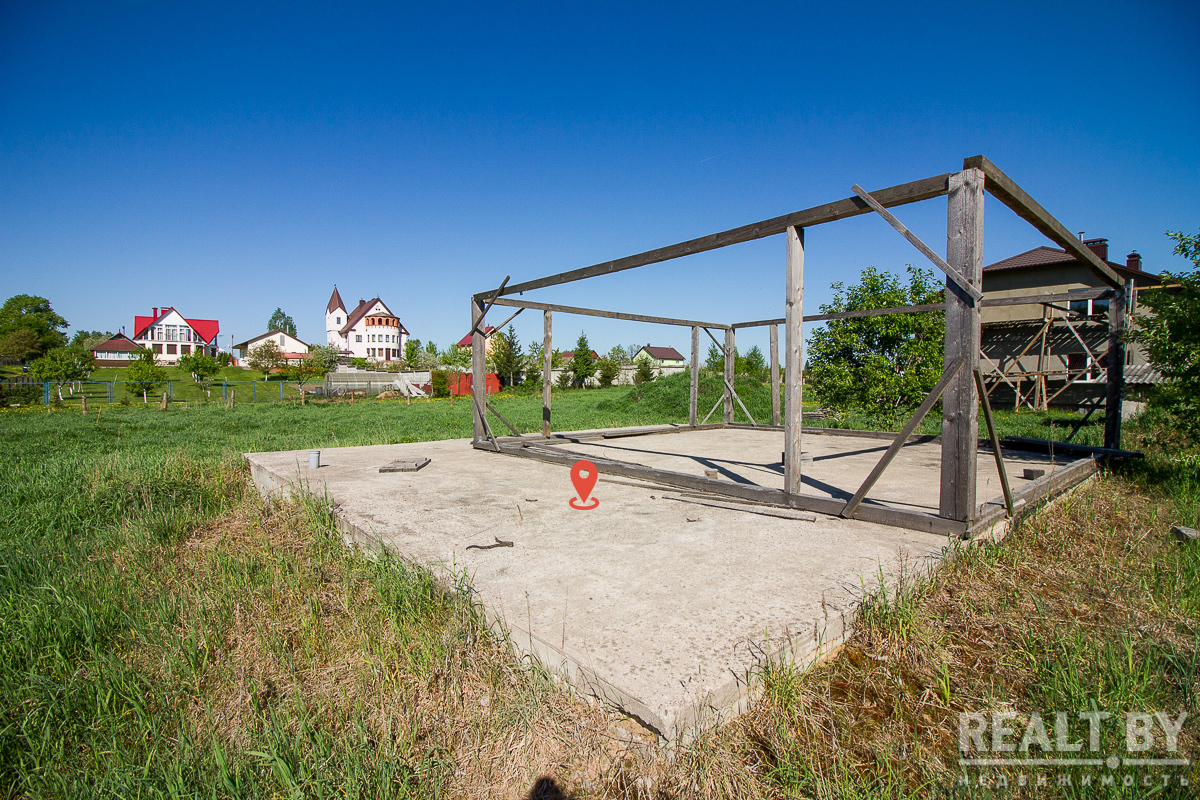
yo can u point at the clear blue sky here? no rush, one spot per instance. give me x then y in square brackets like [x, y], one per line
[226, 159]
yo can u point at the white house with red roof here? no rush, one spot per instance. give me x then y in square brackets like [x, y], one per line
[370, 331]
[170, 335]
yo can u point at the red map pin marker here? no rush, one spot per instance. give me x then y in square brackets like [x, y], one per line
[584, 475]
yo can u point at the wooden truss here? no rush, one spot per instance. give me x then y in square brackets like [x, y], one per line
[959, 389]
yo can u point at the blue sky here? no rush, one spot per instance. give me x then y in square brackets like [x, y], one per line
[226, 159]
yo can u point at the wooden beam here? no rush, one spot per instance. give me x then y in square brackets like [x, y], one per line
[1115, 392]
[694, 390]
[500, 327]
[547, 362]
[793, 343]
[913, 192]
[995, 440]
[478, 374]
[730, 356]
[1065, 448]
[1034, 299]
[1006, 190]
[1049, 485]
[950, 373]
[774, 374]
[595, 312]
[915, 241]
[745, 410]
[507, 424]
[960, 407]
[897, 517]
[491, 301]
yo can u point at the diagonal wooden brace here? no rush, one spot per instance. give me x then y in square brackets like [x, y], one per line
[926, 251]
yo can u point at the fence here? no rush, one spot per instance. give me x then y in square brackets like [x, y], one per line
[29, 391]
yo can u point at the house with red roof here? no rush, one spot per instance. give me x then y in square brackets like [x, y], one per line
[170, 335]
[660, 356]
[370, 331]
[118, 351]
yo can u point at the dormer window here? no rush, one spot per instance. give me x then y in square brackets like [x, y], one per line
[339, 320]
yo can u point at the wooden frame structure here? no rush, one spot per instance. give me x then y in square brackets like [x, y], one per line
[959, 513]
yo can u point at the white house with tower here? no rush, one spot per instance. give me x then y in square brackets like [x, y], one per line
[370, 331]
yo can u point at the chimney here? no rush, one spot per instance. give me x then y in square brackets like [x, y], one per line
[1133, 260]
[155, 315]
[1097, 246]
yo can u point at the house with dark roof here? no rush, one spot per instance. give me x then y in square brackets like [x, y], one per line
[370, 331]
[294, 350]
[118, 351]
[1055, 353]
[170, 335]
[660, 356]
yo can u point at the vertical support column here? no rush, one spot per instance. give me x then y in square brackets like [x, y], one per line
[793, 365]
[960, 407]
[547, 362]
[694, 393]
[774, 374]
[478, 376]
[1114, 397]
[730, 355]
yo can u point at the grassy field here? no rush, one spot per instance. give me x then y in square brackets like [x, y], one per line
[165, 633]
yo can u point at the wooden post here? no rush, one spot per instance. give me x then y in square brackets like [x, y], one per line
[774, 374]
[730, 351]
[1115, 395]
[694, 394]
[793, 365]
[960, 407]
[547, 362]
[478, 367]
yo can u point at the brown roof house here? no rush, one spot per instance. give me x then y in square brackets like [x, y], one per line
[661, 356]
[118, 351]
[370, 331]
[1055, 353]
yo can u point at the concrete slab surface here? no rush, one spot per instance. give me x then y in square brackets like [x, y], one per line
[665, 609]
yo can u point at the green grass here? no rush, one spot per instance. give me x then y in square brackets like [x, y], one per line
[165, 633]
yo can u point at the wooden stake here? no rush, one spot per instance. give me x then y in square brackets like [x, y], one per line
[694, 392]
[730, 356]
[960, 408]
[1115, 393]
[793, 339]
[547, 362]
[774, 375]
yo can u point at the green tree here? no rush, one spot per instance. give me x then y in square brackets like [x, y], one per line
[324, 355]
[280, 321]
[715, 360]
[608, 369]
[202, 368]
[412, 353]
[87, 340]
[62, 365]
[753, 364]
[583, 366]
[457, 356]
[878, 364]
[19, 345]
[644, 372]
[1170, 335]
[144, 373]
[506, 355]
[266, 358]
[29, 312]
[431, 349]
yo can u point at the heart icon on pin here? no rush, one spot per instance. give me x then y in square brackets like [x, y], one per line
[584, 475]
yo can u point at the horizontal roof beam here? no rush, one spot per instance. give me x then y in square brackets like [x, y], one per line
[593, 312]
[913, 192]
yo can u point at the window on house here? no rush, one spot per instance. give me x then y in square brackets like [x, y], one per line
[158, 349]
[281, 340]
[172, 333]
[358, 338]
[171, 350]
[185, 349]
[339, 320]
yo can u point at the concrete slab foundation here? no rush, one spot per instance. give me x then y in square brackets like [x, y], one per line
[664, 609]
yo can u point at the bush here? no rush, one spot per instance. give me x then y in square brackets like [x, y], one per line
[20, 393]
[439, 384]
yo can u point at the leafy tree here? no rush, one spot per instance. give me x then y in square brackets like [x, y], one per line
[62, 365]
[1171, 337]
[326, 356]
[280, 321]
[201, 367]
[19, 345]
[753, 364]
[457, 356]
[608, 368]
[144, 373]
[431, 349]
[266, 358]
[304, 372]
[506, 354]
[715, 360]
[583, 366]
[644, 373]
[878, 364]
[89, 339]
[29, 312]
[412, 352]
